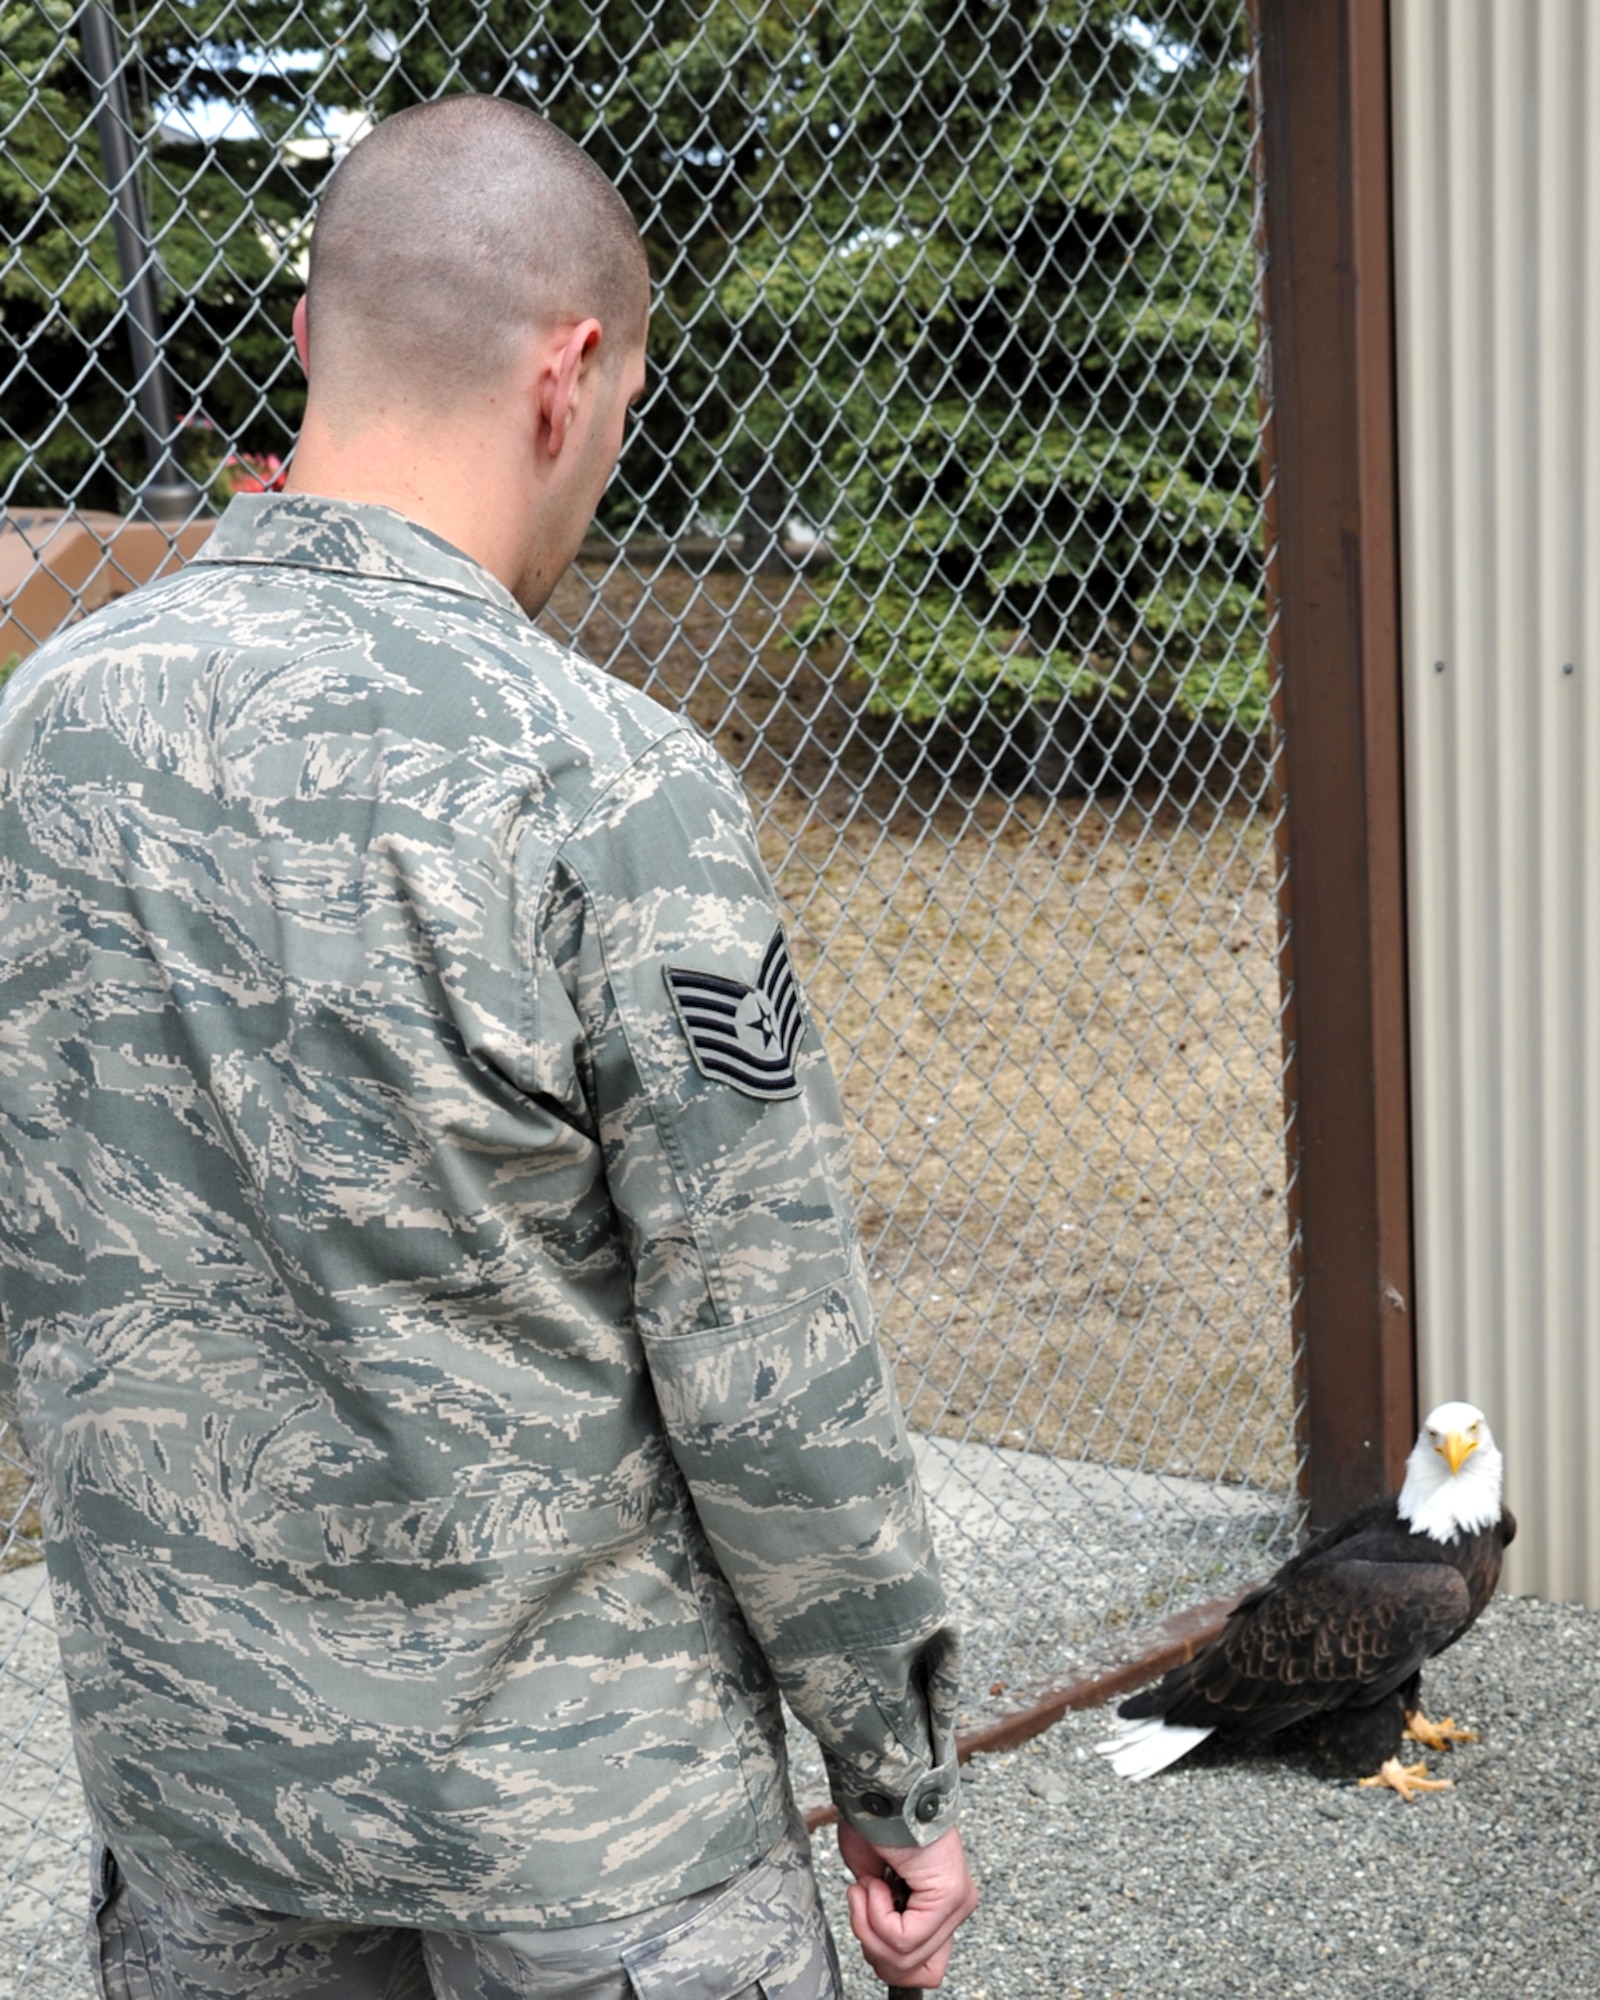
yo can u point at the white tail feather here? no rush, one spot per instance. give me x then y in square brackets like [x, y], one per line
[1140, 1749]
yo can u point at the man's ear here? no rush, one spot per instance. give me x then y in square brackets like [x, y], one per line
[302, 337]
[568, 361]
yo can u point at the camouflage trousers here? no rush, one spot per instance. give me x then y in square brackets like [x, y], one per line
[761, 1934]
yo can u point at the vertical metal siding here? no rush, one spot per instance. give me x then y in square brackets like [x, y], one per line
[1497, 193]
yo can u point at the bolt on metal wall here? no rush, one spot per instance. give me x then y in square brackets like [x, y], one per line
[943, 515]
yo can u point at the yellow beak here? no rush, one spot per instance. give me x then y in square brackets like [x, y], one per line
[1458, 1448]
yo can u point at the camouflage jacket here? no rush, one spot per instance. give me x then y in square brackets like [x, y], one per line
[435, 1308]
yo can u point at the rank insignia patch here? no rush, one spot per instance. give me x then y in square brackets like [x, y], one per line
[744, 1035]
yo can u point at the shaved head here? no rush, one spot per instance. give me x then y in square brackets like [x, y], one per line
[452, 234]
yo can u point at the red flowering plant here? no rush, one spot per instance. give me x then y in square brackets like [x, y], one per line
[254, 472]
[222, 471]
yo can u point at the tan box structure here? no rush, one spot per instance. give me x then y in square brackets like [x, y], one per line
[57, 564]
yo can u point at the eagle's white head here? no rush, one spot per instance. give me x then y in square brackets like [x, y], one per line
[1453, 1474]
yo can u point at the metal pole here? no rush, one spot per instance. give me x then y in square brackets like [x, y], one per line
[902, 1896]
[1336, 584]
[766, 504]
[168, 493]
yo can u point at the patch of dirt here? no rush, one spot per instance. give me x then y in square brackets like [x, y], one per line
[1056, 1023]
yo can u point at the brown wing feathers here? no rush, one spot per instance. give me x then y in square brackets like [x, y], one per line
[1336, 1627]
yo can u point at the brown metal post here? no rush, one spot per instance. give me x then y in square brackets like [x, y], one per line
[1332, 446]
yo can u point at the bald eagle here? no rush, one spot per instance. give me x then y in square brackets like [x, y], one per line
[1337, 1640]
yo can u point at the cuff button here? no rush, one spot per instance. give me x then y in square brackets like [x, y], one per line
[928, 1808]
[876, 1806]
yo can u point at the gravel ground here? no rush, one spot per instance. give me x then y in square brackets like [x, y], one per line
[1228, 1877]
[1225, 1877]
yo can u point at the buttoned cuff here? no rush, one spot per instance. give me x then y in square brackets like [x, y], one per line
[916, 1818]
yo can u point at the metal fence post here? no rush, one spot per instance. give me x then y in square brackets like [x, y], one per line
[168, 493]
[1325, 94]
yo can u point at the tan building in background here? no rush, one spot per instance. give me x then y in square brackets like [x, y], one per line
[57, 565]
[1496, 161]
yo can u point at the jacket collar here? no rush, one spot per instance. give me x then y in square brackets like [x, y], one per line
[348, 538]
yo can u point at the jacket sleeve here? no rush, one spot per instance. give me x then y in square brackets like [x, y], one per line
[725, 1150]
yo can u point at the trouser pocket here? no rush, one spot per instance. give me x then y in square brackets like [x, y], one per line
[118, 1944]
[763, 1938]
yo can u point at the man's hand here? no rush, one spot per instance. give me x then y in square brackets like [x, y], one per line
[909, 1947]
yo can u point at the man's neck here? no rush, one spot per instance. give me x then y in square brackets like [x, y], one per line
[452, 485]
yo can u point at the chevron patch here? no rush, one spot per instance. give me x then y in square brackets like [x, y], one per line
[744, 1035]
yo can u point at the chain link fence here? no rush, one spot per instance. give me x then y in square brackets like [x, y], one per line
[944, 518]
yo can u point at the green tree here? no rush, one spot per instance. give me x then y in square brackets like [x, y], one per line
[671, 99]
[1001, 302]
[225, 216]
[974, 276]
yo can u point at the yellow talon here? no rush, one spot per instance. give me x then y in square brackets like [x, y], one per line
[1436, 1735]
[1406, 1779]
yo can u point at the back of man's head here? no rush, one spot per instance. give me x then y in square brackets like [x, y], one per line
[451, 235]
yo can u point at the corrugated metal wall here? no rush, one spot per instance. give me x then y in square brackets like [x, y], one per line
[1497, 192]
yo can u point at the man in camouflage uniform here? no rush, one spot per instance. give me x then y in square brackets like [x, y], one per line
[430, 1287]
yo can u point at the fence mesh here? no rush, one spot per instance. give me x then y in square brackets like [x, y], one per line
[943, 516]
